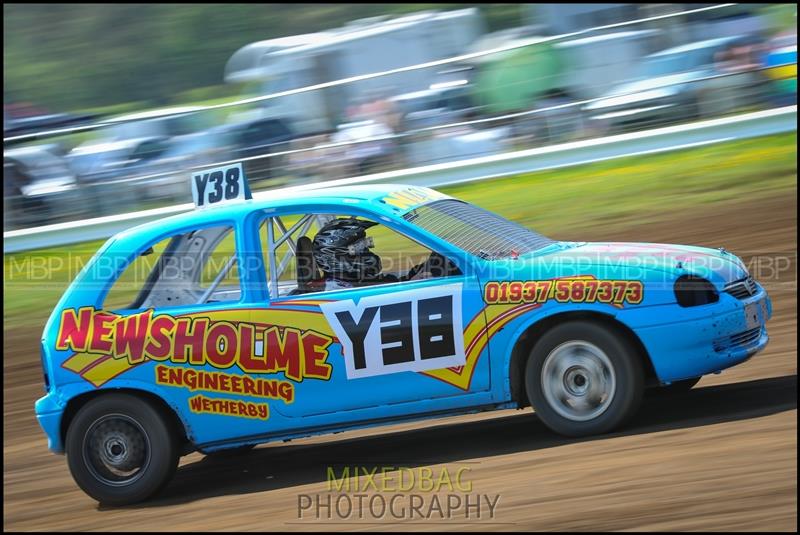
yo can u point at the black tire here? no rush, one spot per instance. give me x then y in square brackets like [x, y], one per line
[125, 433]
[676, 388]
[589, 358]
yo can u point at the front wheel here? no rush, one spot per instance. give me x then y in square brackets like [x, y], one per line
[120, 450]
[583, 379]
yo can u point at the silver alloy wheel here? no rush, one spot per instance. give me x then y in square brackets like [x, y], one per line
[578, 380]
[116, 449]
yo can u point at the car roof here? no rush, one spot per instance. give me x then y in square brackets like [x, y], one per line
[31, 151]
[697, 45]
[362, 196]
[33, 157]
[110, 145]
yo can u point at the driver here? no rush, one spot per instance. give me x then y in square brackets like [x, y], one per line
[341, 250]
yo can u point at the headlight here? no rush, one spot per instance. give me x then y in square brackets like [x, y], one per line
[691, 291]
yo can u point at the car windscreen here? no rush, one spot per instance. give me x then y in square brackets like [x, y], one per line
[475, 230]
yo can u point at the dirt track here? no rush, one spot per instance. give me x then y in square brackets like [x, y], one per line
[723, 456]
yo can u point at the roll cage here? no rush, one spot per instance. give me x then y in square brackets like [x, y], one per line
[279, 244]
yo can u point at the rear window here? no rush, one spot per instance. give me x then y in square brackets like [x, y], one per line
[185, 269]
[475, 230]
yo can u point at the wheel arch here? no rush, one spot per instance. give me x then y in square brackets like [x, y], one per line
[532, 332]
[76, 403]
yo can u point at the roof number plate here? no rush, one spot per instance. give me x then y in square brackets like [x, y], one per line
[219, 185]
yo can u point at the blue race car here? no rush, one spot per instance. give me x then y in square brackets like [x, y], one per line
[340, 308]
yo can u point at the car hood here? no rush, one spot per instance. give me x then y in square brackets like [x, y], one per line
[638, 260]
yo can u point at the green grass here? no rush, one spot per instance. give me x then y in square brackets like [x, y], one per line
[612, 194]
[622, 192]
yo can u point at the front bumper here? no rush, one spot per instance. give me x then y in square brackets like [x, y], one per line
[696, 345]
[49, 413]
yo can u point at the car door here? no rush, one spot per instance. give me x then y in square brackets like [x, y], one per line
[413, 346]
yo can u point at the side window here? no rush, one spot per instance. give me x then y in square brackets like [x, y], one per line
[123, 293]
[398, 253]
[147, 151]
[379, 256]
[185, 269]
[274, 129]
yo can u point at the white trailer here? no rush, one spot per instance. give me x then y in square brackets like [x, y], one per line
[361, 47]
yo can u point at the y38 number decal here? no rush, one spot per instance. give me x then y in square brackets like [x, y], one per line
[413, 330]
[572, 290]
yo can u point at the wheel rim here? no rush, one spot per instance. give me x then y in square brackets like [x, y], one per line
[116, 450]
[578, 380]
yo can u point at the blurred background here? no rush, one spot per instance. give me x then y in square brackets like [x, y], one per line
[178, 86]
[108, 107]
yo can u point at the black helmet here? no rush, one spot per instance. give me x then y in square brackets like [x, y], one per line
[341, 250]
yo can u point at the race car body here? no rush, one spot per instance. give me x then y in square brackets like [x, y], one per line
[230, 333]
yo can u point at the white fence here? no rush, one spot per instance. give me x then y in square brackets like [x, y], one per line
[575, 153]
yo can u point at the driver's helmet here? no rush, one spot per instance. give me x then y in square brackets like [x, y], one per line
[341, 250]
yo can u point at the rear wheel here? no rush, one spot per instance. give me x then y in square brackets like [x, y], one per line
[583, 379]
[120, 449]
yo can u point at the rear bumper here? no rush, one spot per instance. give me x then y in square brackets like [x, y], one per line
[721, 338]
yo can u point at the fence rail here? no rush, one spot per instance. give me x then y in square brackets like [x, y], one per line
[483, 168]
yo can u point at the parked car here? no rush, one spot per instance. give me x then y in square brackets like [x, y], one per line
[454, 144]
[165, 122]
[444, 103]
[38, 186]
[164, 176]
[154, 144]
[22, 118]
[106, 170]
[255, 137]
[671, 86]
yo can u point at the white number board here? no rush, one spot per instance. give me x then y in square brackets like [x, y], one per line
[218, 185]
[411, 330]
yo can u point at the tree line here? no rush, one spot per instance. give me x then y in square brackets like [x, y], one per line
[69, 57]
